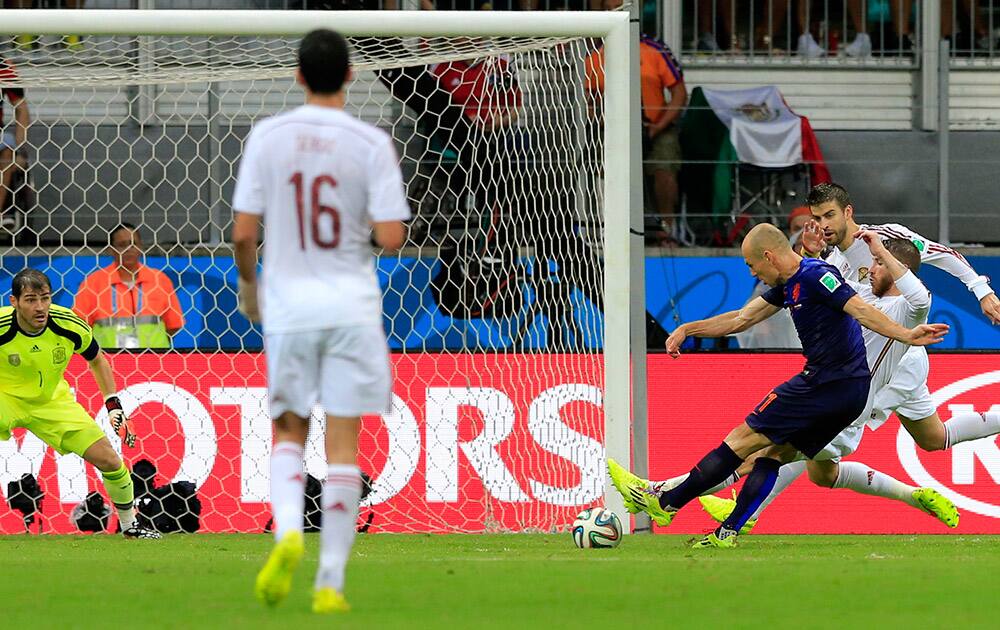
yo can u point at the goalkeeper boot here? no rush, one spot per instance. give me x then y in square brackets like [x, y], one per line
[720, 539]
[275, 580]
[933, 502]
[136, 531]
[720, 509]
[329, 600]
[640, 495]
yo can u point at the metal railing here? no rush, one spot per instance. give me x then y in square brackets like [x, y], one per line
[834, 32]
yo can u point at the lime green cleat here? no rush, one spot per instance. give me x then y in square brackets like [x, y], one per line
[327, 600]
[640, 494]
[622, 479]
[933, 502]
[713, 540]
[720, 509]
[275, 580]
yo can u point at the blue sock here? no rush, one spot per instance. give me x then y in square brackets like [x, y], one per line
[710, 471]
[758, 485]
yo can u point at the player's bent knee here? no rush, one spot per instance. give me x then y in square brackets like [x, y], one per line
[103, 456]
[744, 441]
[928, 433]
[823, 473]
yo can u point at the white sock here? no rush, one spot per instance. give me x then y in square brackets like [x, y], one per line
[786, 475]
[725, 483]
[341, 494]
[673, 482]
[670, 484]
[126, 518]
[970, 425]
[288, 488]
[866, 480]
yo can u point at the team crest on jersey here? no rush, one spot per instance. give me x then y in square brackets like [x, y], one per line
[795, 292]
[920, 245]
[58, 355]
[862, 273]
[829, 281]
[14, 359]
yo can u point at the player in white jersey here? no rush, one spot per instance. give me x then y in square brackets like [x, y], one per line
[895, 290]
[323, 183]
[907, 393]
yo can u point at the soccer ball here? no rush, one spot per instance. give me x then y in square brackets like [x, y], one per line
[597, 527]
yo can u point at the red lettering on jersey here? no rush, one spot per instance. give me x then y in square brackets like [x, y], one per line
[313, 144]
[795, 292]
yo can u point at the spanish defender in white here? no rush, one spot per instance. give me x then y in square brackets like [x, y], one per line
[896, 291]
[323, 183]
[907, 393]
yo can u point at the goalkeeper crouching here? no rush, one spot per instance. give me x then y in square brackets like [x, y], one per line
[37, 339]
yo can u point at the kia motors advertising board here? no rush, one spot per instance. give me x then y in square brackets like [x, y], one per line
[503, 442]
[696, 399]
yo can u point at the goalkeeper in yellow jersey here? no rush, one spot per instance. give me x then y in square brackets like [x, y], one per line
[37, 339]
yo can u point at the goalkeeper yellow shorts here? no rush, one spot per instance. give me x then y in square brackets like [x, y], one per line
[62, 422]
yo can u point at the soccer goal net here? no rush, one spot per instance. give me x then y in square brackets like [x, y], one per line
[507, 310]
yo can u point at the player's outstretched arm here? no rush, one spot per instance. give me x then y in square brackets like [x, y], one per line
[874, 319]
[947, 259]
[754, 312]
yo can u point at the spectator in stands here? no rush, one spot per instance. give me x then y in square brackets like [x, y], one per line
[12, 138]
[128, 304]
[774, 21]
[973, 27]
[659, 74]
[708, 17]
[27, 41]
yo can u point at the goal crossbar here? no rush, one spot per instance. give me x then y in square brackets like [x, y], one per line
[277, 23]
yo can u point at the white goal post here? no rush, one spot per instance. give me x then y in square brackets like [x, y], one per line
[622, 251]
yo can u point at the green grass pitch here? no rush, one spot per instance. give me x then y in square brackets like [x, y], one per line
[510, 581]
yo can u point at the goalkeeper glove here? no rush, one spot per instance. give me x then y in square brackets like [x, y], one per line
[118, 419]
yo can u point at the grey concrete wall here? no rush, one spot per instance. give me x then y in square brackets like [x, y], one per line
[893, 176]
[90, 178]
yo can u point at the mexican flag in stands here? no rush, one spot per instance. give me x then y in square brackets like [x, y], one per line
[752, 126]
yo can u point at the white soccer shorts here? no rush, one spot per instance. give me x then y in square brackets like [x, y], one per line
[906, 392]
[346, 370]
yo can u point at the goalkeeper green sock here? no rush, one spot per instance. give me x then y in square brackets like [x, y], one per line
[118, 483]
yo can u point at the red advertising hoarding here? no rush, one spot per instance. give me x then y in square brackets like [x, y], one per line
[484, 442]
[696, 399]
[474, 442]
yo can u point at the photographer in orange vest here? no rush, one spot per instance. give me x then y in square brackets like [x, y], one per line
[128, 304]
